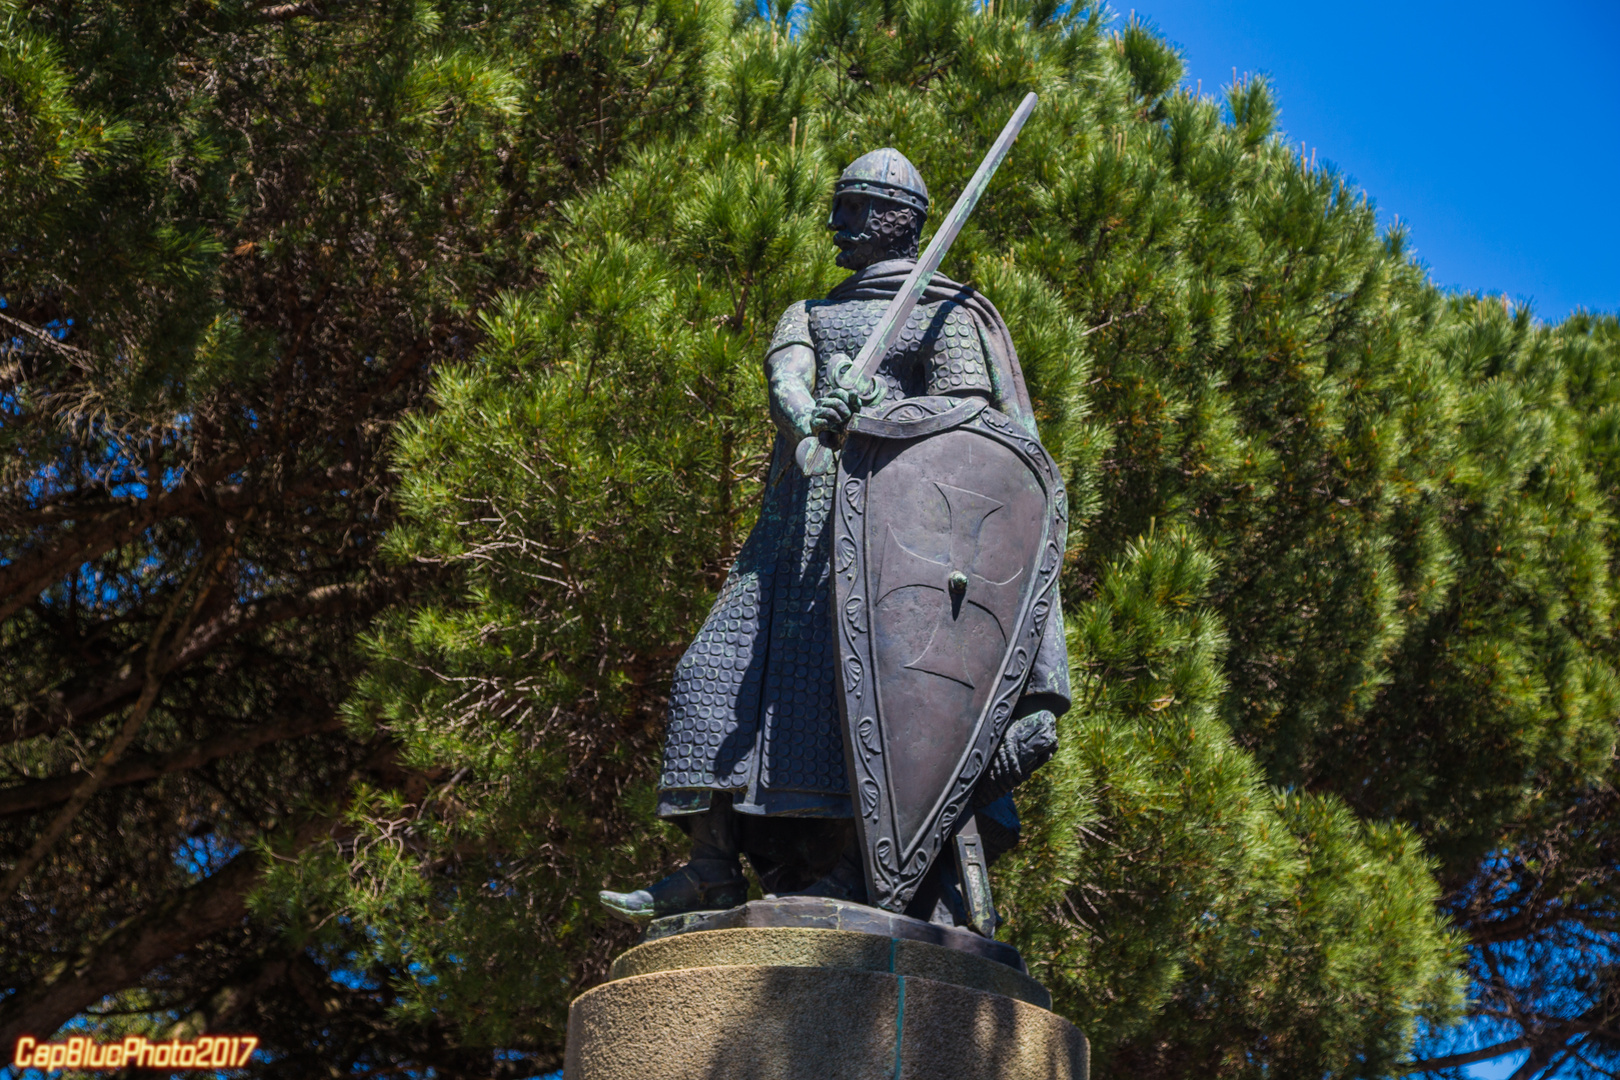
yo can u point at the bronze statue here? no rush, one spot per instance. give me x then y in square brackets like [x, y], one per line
[949, 523]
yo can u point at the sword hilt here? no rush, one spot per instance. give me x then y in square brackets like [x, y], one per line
[818, 453]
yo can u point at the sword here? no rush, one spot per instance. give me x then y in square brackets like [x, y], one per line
[816, 453]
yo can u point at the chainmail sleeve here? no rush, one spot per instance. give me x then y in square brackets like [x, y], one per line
[793, 328]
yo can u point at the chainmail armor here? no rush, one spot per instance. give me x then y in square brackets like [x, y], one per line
[753, 707]
[892, 232]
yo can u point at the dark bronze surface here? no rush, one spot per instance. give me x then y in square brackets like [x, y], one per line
[818, 913]
[887, 174]
[753, 705]
[964, 648]
[946, 547]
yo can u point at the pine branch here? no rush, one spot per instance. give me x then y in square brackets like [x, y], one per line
[44, 337]
[152, 684]
[284, 12]
[1456, 1061]
[27, 575]
[110, 687]
[22, 798]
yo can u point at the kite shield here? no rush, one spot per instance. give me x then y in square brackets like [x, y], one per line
[949, 534]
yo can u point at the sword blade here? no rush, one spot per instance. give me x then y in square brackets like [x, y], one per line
[899, 310]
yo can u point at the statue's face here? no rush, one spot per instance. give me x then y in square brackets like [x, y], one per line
[869, 229]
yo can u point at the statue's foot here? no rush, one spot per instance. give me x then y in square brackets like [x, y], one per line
[845, 881]
[700, 885]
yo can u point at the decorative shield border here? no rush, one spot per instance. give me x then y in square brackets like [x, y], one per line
[893, 875]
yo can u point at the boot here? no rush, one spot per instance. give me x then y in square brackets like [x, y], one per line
[845, 881]
[712, 880]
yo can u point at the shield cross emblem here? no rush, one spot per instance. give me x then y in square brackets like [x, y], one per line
[949, 532]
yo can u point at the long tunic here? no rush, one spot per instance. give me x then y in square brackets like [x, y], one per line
[753, 707]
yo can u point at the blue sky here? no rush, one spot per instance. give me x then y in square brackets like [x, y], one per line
[1491, 129]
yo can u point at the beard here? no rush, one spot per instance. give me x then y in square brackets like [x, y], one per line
[889, 234]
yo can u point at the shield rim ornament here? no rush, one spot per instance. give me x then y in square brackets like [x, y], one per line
[893, 875]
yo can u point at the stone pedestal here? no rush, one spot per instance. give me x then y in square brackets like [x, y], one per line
[812, 1002]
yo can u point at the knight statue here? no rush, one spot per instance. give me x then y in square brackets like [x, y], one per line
[928, 683]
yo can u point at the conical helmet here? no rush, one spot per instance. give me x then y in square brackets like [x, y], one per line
[887, 174]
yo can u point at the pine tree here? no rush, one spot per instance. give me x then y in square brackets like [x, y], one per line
[234, 240]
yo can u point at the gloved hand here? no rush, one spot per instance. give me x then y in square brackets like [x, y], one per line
[1029, 742]
[833, 411]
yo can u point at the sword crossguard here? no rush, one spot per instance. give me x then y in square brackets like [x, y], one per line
[868, 390]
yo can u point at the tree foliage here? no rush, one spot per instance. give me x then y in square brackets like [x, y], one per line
[1341, 763]
[234, 239]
